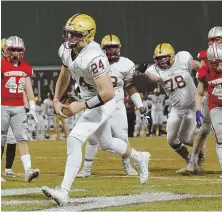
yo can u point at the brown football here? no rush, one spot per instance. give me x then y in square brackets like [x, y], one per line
[65, 112]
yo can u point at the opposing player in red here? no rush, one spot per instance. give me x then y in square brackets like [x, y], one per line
[210, 80]
[15, 79]
[214, 36]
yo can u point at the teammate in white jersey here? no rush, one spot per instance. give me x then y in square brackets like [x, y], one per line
[49, 111]
[87, 63]
[122, 71]
[173, 74]
[157, 100]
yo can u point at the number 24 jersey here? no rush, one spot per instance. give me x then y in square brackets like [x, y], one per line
[13, 82]
[177, 81]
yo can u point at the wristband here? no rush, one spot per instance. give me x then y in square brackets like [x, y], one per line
[95, 101]
[137, 100]
[55, 100]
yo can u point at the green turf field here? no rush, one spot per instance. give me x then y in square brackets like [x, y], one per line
[110, 189]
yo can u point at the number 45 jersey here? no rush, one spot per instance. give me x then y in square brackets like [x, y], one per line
[13, 82]
[90, 63]
[177, 81]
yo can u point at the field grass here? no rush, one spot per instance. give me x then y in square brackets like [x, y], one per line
[165, 190]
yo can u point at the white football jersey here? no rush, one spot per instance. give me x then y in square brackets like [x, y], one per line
[177, 81]
[87, 66]
[121, 71]
[147, 105]
[49, 107]
[157, 102]
[40, 112]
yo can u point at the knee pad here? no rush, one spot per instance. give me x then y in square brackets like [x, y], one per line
[93, 140]
[73, 143]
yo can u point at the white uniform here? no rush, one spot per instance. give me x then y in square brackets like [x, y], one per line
[90, 64]
[120, 71]
[10, 137]
[179, 86]
[157, 108]
[49, 111]
[40, 126]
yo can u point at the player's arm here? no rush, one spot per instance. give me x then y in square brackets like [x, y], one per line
[62, 82]
[131, 89]
[152, 77]
[199, 95]
[196, 64]
[29, 93]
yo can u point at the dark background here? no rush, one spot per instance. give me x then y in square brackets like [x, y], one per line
[139, 25]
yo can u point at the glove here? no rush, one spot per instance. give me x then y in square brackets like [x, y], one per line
[32, 110]
[199, 117]
[144, 116]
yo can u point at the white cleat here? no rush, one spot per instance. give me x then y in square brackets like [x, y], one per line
[182, 171]
[84, 173]
[59, 194]
[2, 179]
[143, 167]
[191, 168]
[127, 167]
[31, 174]
[9, 173]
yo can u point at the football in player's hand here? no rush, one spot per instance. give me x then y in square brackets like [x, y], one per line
[65, 112]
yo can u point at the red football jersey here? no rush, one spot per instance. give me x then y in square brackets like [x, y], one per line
[213, 83]
[13, 82]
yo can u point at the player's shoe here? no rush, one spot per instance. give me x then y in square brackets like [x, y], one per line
[9, 173]
[30, 174]
[86, 172]
[142, 167]
[59, 194]
[127, 167]
[182, 171]
[191, 168]
[2, 179]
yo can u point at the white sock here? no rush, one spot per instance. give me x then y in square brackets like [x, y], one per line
[219, 153]
[194, 158]
[90, 151]
[73, 163]
[135, 156]
[26, 161]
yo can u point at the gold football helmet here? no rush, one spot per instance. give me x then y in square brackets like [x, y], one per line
[79, 30]
[164, 55]
[111, 46]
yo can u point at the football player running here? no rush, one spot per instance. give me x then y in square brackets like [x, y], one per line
[214, 36]
[210, 80]
[15, 80]
[122, 71]
[87, 63]
[172, 72]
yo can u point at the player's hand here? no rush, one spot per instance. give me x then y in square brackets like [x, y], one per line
[33, 114]
[144, 115]
[57, 106]
[76, 107]
[199, 117]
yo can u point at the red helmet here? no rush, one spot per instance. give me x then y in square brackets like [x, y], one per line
[14, 49]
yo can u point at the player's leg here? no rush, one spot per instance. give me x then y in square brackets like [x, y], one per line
[120, 147]
[19, 127]
[155, 122]
[119, 130]
[90, 154]
[137, 124]
[160, 122]
[173, 126]
[5, 120]
[215, 115]
[87, 124]
[150, 120]
[57, 117]
[64, 126]
[10, 153]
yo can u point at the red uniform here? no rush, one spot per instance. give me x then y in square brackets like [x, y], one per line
[13, 82]
[213, 84]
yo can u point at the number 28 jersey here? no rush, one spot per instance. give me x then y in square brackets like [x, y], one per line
[89, 64]
[177, 81]
[13, 82]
